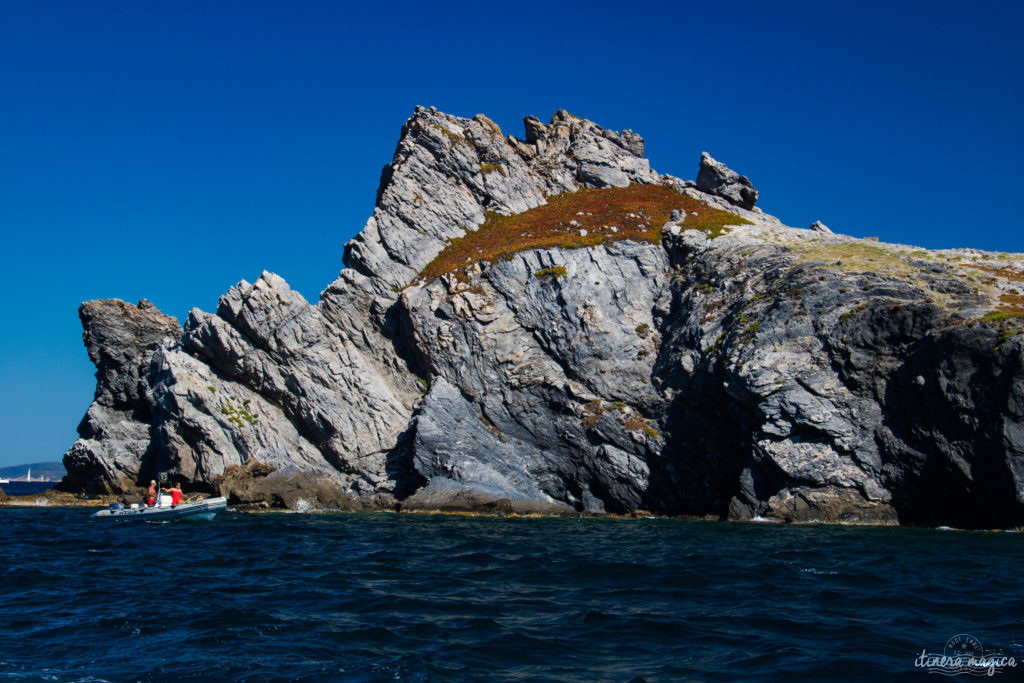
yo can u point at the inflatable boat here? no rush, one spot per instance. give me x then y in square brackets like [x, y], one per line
[164, 511]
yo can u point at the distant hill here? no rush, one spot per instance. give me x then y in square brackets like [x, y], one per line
[41, 471]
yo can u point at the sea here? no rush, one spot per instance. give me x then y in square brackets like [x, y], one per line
[404, 597]
[26, 488]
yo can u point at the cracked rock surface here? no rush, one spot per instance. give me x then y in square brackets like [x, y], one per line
[761, 371]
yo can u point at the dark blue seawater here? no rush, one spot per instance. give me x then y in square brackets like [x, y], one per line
[26, 488]
[382, 597]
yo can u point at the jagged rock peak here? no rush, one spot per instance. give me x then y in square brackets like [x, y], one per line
[122, 341]
[565, 124]
[118, 336]
[448, 172]
[716, 178]
[571, 146]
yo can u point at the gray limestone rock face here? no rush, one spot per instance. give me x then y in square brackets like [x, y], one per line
[808, 373]
[204, 424]
[569, 153]
[818, 226]
[120, 339]
[555, 368]
[446, 173]
[715, 177]
[459, 445]
[754, 371]
[114, 435]
[268, 338]
[111, 447]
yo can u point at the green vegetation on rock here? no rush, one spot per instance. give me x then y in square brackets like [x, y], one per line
[454, 138]
[239, 415]
[554, 272]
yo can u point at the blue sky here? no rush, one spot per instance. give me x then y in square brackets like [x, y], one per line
[168, 150]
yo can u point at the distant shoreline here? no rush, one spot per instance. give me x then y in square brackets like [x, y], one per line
[15, 490]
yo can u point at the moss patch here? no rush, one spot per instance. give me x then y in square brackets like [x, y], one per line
[1005, 272]
[1012, 303]
[592, 412]
[995, 317]
[493, 168]
[586, 218]
[454, 138]
[239, 415]
[858, 257]
[636, 423]
[852, 312]
[1011, 307]
[552, 273]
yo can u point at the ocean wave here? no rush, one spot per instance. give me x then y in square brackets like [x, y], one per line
[397, 597]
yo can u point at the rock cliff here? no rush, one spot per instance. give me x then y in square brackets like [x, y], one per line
[548, 325]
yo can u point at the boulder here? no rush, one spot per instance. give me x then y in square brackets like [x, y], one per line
[133, 498]
[243, 484]
[535, 130]
[447, 496]
[716, 178]
[305, 491]
[261, 486]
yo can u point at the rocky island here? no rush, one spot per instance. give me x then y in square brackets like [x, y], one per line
[548, 325]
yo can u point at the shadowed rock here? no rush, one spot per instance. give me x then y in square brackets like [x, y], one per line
[114, 434]
[743, 369]
[716, 178]
[258, 485]
[447, 496]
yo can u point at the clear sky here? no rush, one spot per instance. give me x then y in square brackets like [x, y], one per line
[169, 149]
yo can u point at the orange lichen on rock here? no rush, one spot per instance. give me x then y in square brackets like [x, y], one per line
[585, 218]
[1005, 272]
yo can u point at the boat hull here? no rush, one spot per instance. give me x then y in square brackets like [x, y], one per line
[204, 509]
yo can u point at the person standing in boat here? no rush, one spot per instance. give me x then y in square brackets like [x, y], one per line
[151, 494]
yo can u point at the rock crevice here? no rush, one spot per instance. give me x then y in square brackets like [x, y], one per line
[736, 368]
